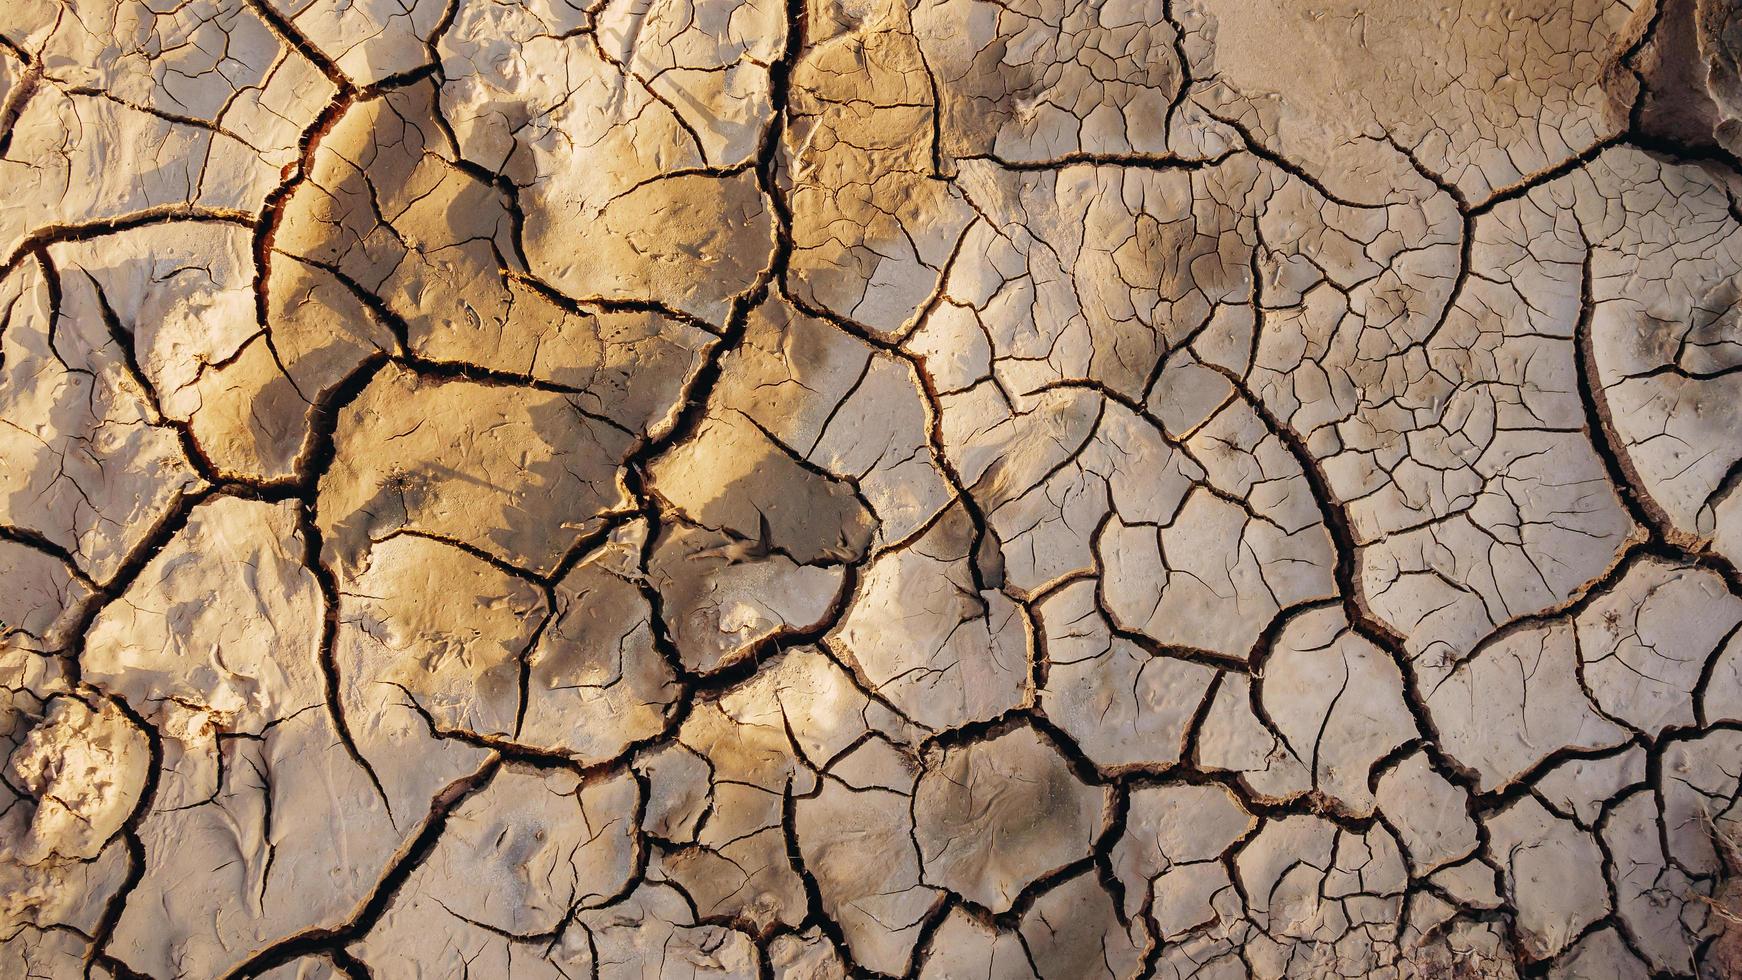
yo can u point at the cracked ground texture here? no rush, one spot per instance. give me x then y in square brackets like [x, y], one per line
[882, 488]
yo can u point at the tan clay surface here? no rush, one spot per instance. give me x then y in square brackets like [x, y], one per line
[808, 489]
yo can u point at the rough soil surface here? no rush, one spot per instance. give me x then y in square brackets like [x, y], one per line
[799, 489]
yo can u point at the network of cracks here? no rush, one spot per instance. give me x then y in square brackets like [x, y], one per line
[819, 488]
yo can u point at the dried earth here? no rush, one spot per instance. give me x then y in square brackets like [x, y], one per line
[818, 488]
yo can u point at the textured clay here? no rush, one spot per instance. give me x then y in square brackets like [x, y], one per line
[809, 489]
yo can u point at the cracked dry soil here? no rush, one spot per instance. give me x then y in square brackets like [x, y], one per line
[904, 488]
